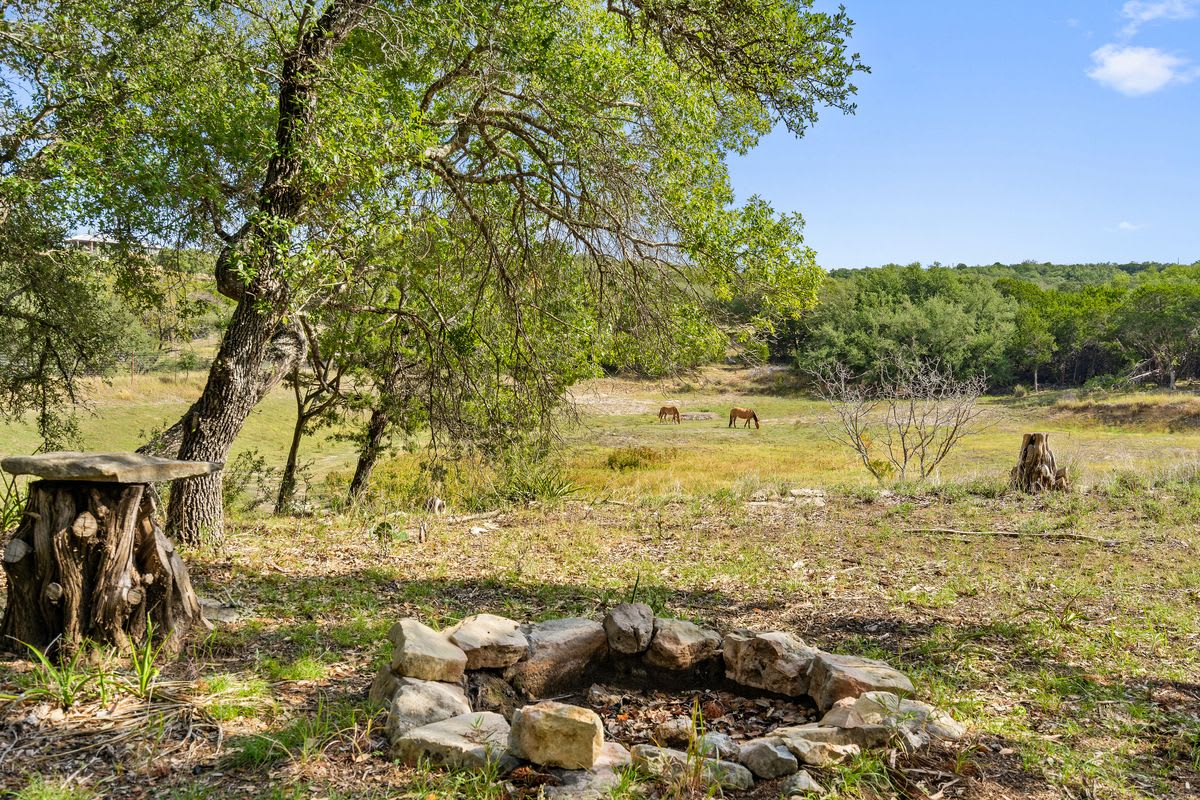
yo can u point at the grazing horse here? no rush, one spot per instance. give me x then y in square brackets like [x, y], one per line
[669, 413]
[743, 413]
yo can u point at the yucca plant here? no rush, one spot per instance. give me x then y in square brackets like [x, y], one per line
[64, 682]
[143, 658]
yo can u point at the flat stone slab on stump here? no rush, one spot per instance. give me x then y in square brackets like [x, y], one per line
[106, 467]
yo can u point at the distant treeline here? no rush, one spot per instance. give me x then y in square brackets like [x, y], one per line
[1024, 323]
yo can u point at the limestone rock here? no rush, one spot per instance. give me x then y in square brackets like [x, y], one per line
[681, 645]
[630, 627]
[910, 739]
[662, 761]
[490, 642]
[106, 467]
[878, 705]
[718, 745]
[820, 754]
[834, 677]
[488, 692]
[383, 687]
[728, 775]
[560, 652]
[423, 653]
[677, 730]
[924, 718]
[777, 662]
[469, 741]
[556, 735]
[768, 758]
[842, 714]
[416, 703]
[216, 611]
[591, 784]
[886, 710]
[865, 736]
[801, 784]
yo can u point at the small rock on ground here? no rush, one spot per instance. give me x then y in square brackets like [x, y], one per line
[834, 677]
[561, 651]
[423, 653]
[802, 784]
[865, 736]
[777, 662]
[821, 754]
[666, 762]
[630, 627]
[417, 703]
[768, 758]
[490, 642]
[556, 735]
[469, 741]
[681, 645]
[718, 745]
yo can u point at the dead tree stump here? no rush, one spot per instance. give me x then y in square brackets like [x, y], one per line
[90, 560]
[1035, 470]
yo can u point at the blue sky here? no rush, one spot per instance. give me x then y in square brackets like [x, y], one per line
[1064, 131]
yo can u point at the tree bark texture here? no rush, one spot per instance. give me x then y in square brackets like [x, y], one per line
[1036, 470]
[89, 561]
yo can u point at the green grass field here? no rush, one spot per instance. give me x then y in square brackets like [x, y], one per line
[1070, 645]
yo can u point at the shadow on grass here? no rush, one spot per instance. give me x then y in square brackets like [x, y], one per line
[1061, 710]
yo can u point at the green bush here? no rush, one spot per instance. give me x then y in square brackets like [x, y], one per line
[625, 458]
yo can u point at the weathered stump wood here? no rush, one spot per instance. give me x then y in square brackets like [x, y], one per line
[1035, 470]
[90, 560]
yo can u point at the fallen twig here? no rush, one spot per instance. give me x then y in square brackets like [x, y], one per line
[1079, 537]
[473, 517]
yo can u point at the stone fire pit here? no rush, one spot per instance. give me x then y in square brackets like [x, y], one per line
[489, 690]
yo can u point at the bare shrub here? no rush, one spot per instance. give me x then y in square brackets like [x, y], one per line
[906, 421]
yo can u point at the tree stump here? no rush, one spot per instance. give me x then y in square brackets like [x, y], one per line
[90, 560]
[1035, 470]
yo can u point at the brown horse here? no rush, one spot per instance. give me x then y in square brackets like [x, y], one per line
[669, 413]
[743, 413]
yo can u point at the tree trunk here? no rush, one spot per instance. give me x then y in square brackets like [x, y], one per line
[234, 387]
[369, 455]
[1035, 380]
[1035, 470]
[240, 375]
[89, 561]
[287, 482]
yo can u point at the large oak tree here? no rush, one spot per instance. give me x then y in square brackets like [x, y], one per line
[290, 136]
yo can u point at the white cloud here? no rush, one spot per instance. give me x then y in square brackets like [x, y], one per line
[1139, 70]
[1125, 226]
[1139, 12]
